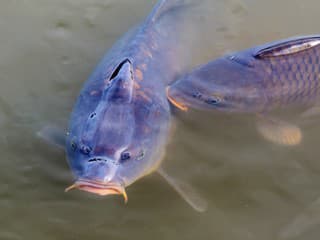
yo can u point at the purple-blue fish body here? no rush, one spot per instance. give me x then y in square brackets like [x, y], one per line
[120, 124]
[259, 79]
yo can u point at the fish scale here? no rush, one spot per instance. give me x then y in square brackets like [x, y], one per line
[259, 79]
[121, 122]
[295, 77]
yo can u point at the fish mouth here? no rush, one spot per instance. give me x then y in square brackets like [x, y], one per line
[98, 188]
[174, 102]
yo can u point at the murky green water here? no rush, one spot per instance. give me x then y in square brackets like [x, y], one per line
[255, 190]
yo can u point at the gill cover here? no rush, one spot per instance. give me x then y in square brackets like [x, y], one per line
[120, 86]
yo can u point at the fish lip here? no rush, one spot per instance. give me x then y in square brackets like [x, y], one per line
[174, 102]
[99, 188]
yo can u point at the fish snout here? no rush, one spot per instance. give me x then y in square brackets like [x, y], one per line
[174, 99]
[98, 177]
[98, 169]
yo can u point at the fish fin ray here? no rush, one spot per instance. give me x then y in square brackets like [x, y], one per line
[186, 192]
[287, 46]
[53, 135]
[307, 219]
[165, 6]
[278, 131]
[309, 116]
[311, 112]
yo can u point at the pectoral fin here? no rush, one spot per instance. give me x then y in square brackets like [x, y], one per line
[186, 192]
[308, 219]
[278, 131]
[53, 135]
[311, 112]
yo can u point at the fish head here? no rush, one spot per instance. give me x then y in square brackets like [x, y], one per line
[231, 84]
[119, 140]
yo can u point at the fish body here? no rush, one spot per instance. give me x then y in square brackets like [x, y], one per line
[121, 121]
[275, 75]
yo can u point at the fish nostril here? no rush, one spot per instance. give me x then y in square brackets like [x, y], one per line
[86, 150]
[197, 95]
[92, 115]
[212, 101]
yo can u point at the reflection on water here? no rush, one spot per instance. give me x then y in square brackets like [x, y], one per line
[256, 190]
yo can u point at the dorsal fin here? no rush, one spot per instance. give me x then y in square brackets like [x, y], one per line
[287, 46]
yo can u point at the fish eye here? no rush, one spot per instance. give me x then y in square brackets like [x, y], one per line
[73, 145]
[125, 156]
[197, 95]
[213, 100]
[141, 155]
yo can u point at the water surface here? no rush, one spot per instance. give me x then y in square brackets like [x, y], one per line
[255, 190]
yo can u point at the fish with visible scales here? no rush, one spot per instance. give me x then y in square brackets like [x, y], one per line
[277, 75]
[120, 125]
